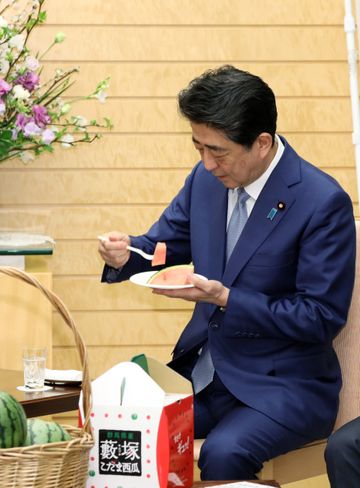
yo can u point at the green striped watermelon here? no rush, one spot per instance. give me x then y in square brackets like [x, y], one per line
[173, 275]
[42, 432]
[12, 422]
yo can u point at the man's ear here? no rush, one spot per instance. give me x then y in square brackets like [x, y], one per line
[265, 143]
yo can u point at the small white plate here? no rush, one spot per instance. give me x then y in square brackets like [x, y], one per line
[33, 390]
[143, 278]
[63, 376]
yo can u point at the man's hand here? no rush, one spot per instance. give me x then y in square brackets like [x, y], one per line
[209, 291]
[112, 248]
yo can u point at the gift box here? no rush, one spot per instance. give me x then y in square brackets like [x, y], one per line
[142, 423]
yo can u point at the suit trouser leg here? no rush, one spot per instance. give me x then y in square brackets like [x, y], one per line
[342, 456]
[239, 439]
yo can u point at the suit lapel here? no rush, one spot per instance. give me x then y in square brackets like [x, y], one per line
[217, 240]
[260, 224]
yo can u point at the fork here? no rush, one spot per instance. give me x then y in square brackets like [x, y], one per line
[150, 257]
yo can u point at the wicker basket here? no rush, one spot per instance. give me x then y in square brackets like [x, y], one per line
[55, 465]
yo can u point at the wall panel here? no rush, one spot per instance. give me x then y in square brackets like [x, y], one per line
[102, 186]
[166, 79]
[202, 12]
[126, 328]
[198, 43]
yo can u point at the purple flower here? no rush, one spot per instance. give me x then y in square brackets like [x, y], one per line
[29, 81]
[31, 129]
[4, 87]
[41, 115]
[21, 121]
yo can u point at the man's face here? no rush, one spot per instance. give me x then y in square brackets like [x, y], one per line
[233, 164]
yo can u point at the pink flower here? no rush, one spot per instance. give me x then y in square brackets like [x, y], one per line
[47, 136]
[32, 63]
[4, 87]
[41, 116]
[21, 121]
[29, 81]
[31, 129]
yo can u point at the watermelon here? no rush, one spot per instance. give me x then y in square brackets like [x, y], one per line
[159, 254]
[173, 275]
[12, 422]
[42, 432]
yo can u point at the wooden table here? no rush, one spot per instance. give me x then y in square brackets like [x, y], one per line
[205, 484]
[59, 399]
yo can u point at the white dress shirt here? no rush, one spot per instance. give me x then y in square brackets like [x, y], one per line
[254, 189]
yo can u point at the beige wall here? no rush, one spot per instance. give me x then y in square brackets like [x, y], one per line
[151, 49]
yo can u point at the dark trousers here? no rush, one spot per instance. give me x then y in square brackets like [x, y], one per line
[342, 456]
[239, 439]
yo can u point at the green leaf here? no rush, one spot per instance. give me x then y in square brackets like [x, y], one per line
[30, 24]
[108, 123]
[42, 17]
[6, 142]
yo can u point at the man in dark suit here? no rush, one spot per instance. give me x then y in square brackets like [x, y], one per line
[275, 237]
[342, 456]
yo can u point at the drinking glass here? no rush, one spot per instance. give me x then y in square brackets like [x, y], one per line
[34, 362]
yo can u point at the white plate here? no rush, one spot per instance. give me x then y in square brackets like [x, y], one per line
[63, 376]
[10, 240]
[33, 390]
[143, 278]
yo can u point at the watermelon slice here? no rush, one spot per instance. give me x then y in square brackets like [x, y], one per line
[159, 254]
[173, 275]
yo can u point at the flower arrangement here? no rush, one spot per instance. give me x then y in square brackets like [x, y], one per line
[33, 115]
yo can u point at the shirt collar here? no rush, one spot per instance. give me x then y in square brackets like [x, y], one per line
[254, 189]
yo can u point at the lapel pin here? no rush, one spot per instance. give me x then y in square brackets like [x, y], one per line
[281, 206]
[272, 213]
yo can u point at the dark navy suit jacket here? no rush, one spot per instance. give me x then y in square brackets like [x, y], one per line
[290, 278]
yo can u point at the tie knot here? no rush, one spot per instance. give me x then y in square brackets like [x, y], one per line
[242, 196]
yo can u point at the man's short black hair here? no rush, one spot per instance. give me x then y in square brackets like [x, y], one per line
[236, 102]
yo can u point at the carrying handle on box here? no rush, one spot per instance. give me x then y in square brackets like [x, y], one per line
[61, 308]
[141, 360]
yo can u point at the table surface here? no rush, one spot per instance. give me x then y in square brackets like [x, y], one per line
[205, 484]
[57, 400]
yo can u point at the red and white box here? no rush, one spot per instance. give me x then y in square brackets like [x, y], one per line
[143, 427]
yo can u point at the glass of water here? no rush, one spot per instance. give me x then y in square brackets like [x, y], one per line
[34, 362]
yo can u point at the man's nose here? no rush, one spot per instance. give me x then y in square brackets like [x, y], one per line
[209, 160]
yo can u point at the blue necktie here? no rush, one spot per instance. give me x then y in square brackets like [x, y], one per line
[237, 222]
[203, 372]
